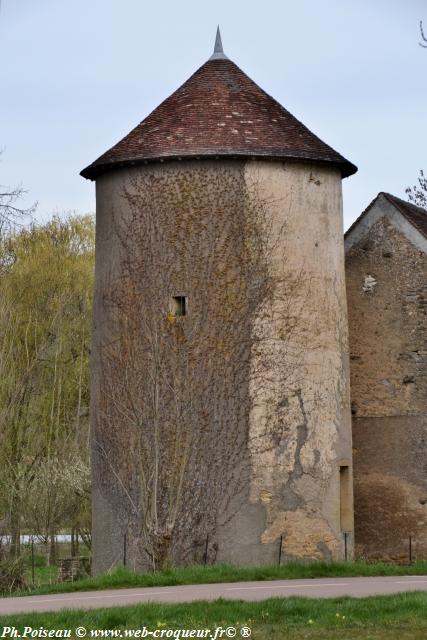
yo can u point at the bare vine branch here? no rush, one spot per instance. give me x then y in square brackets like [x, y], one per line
[179, 387]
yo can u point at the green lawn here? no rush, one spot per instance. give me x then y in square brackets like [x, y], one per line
[43, 576]
[122, 577]
[398, 617]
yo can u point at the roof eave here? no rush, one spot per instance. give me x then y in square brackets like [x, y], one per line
[94, 170]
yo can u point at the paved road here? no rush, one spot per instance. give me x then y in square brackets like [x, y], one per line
[317, 588]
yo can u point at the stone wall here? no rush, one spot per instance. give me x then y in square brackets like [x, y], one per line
[386, 276]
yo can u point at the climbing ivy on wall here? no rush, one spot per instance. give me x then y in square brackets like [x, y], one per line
[179, 390]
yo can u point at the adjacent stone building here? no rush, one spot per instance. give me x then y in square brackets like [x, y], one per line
[220, 376]
[386, 276]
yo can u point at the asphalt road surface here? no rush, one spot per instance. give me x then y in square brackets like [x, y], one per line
[314, 588]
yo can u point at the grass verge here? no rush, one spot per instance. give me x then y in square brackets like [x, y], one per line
[122, 577]
[397, 617]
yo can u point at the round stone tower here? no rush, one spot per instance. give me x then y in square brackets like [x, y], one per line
[220, 382]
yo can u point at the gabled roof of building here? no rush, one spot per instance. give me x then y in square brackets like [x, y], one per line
[410, 219]
[417, 216]
[414, 214]
[219, 112]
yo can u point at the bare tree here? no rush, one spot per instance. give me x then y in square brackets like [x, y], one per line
[418, 193]
[11, 214]
[57, 495]
[422, 36]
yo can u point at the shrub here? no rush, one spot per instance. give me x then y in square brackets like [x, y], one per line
[12, 575]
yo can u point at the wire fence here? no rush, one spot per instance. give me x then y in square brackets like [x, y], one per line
[402, 551]
[49, 560]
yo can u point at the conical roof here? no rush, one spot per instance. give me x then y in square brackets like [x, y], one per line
[218, 112]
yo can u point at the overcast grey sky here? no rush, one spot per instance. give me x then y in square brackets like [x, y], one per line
[77, 75]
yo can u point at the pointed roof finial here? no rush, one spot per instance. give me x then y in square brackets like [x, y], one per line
[218, 53]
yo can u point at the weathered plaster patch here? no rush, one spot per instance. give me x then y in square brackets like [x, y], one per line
[305, 535]
[265, 496]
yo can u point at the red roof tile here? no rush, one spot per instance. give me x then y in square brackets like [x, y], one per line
[414, 214]
[219, 112]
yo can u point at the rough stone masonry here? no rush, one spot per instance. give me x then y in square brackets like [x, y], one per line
[386, 273]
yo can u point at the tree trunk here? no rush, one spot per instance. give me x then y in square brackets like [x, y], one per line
[52, 549]
[74, 543]
[15, 528]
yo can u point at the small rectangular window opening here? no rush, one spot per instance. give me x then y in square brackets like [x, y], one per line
[179, 306]
[345, 499]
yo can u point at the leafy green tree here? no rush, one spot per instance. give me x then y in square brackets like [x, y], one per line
[46, 280]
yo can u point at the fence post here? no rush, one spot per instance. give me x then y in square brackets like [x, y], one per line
[205, 559]
[124, 549]
[345, 546]
[410, 549]
[280, 551]
[32, 560]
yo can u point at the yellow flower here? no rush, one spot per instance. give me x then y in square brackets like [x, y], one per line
[161, 624]
[310, 621]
